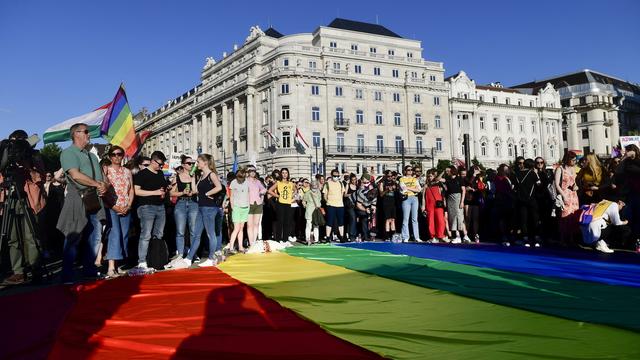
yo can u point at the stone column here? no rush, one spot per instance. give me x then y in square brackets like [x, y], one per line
[251, 124]
[225, 130]
[213, 134]
[455, 131]
[614, 131]
[474, 136]
[194, 136]
[205, 133]
[573, 140]
[236, 124]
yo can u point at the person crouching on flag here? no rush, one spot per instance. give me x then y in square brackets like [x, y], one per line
[600, 224]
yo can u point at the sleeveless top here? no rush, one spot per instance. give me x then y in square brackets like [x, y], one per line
[120, 180]
[285, 190]
[204, 186]
[181, 186]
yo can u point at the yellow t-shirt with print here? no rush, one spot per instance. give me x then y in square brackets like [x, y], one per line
[409, 182]
[285, 190]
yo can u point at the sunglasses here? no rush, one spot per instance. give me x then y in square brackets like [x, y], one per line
[116, 154]
[161, 163]
[189, 163]
[540, 162]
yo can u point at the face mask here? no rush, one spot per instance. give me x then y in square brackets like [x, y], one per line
[336, 178]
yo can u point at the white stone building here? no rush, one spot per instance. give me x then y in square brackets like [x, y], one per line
[362, 88]
[596, 109]
[503, 123]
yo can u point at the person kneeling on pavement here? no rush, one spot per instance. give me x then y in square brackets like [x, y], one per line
[601, 223]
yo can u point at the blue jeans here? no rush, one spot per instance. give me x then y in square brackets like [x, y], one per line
[207, 221]
[152, 219]
[92, 232]
[410, 208]
[118, 236]
[185, 210]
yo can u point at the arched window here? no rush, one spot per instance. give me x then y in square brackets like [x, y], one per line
[378, 118]
[483, 148]
[497, 149]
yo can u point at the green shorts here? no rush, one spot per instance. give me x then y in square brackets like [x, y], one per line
[255, 209]
[240, 214]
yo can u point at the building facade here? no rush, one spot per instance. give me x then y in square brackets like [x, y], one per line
[503, 123]
[596, 109]
[362, 91]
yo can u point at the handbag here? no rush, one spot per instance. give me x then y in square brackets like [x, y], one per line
[317, 217]
[89, 195]
[439, 203]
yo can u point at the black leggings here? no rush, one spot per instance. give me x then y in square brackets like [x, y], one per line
[285, 221]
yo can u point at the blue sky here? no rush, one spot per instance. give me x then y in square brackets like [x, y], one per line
[59, 59]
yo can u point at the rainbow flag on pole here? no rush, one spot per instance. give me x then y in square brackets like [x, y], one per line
[117, 125]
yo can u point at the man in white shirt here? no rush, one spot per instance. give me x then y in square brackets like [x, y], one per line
[605, 223]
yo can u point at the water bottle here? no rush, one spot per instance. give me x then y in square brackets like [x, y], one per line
[193, 170]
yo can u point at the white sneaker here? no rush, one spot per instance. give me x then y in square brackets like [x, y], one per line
[433, 241]
[207, 263]
[143, 265]
[456, 240]
[506, 243]
[536, 244]
[466, 239]
[603, 247]
[292, 239]
[418, 240]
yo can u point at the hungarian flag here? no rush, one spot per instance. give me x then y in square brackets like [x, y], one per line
[60, 132]
[300, 139]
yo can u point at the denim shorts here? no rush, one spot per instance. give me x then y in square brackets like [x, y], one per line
[335, 215]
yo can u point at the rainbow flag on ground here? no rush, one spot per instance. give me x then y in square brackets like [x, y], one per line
[117, 125]
[354, 301]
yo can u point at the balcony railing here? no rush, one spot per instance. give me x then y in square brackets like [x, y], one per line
[342, 150]
[341, 124]
[420, 128]
[243, 133]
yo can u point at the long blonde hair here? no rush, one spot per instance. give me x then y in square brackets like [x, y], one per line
[211, 164]
[595, 167]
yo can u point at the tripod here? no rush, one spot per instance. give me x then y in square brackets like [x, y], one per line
[16, 210]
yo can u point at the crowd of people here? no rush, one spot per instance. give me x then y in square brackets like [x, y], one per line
[100, 205]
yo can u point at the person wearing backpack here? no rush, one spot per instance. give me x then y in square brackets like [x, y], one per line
[526, 181]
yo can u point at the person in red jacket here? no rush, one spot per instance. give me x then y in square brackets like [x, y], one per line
[434, 207]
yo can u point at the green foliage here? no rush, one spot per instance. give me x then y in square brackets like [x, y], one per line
[51, 157]
[477, 163]
[443, 164]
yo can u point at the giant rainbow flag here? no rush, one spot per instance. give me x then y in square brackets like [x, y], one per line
[117, 125]
[354, 301]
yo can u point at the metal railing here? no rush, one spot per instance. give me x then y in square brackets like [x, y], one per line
[341, 124]
[420, 128]
[343, 150]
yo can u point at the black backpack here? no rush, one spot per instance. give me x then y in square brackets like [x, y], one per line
[157, 254]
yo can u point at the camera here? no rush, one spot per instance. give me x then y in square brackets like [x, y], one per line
[18, 156]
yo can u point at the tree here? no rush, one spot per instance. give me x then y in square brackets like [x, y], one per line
[51, 157]
[443, 164]
[476, 162]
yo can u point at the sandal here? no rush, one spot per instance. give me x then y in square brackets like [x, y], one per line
[112, 274]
